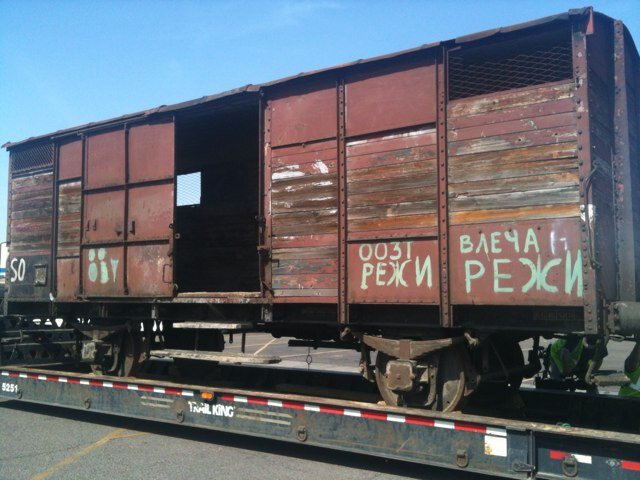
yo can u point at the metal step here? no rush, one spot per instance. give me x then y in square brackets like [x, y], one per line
[226, 326]
[221, 357]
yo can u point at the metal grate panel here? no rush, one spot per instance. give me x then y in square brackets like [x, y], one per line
[32, 158]
[470, 76]
[189, 189]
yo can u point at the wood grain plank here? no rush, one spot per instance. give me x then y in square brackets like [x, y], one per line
[392, 210]
[516, 113]
[513, 126]
[510, 99]
[514, 214]
[388, 172]
[533, 138]
[407, 221]
[501, 201]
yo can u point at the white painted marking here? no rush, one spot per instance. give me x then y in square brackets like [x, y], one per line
[158, 390]
[23, 375]
[321, 166]
[499, 432]
[282, 175]
[311, 408]
[187, 393]
[62, 380]
[396, 418]
[495, 446]
[5, 374]
[239, 399]
[42, 377]
[132, 387]
[444, 424]
[352, 413]
[107, 384]
[274, 403]
[582, 458]
[84, 382]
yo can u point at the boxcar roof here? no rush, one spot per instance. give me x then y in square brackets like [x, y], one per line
[252, 90]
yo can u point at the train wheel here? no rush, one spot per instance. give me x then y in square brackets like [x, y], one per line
[127, 355]
[440, 381]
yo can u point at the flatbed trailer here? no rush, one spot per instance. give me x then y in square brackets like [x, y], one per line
[488, 445]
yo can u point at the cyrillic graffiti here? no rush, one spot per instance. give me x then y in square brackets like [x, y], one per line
[392, 264]
[507, 250]
[100, 268]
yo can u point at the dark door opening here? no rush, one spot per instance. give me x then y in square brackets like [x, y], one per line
[217, 201]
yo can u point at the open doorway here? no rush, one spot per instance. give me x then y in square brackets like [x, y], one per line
[217, 178]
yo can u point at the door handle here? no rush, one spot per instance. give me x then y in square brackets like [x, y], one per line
[132, 229]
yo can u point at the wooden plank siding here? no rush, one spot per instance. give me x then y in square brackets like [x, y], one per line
[391, 184]
[31, 213]
[304, 220]
[512, 155]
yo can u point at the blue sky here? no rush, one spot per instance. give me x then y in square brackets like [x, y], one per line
[66, 63]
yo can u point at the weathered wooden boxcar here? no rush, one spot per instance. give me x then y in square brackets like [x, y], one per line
[436, 205]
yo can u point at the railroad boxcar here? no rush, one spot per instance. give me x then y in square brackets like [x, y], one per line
[436, 205]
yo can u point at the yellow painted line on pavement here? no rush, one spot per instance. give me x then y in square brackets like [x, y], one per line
[119, 433]
[265, 346]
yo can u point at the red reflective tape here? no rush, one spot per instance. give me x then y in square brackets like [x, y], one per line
[52, 378]
[427, 422]
[73, 380]
[469, 427]
[93, 383]
[333, 410]
[226, 397]
[14, 374]
[557, 455]
[172, 391]
[373, 415]
[145, 388]
[257, 401]
[121, 386]
[31, 376]
[294, 405]
[629, 465]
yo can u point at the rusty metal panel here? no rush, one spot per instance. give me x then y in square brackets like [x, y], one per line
[70, 160]
[403, 271]
[305, 114]
[517, 263]
[149, 271]
[150, 212]
[104, 217]
[69, 219]
[68, 278]
[105, 154]
[391, 99]
[103, 271]
[151, 151]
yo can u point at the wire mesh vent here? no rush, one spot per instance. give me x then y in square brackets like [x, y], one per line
[189, 189]
[32, 158]
[470, 76]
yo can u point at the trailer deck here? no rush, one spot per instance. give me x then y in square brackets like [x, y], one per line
[508, 448]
